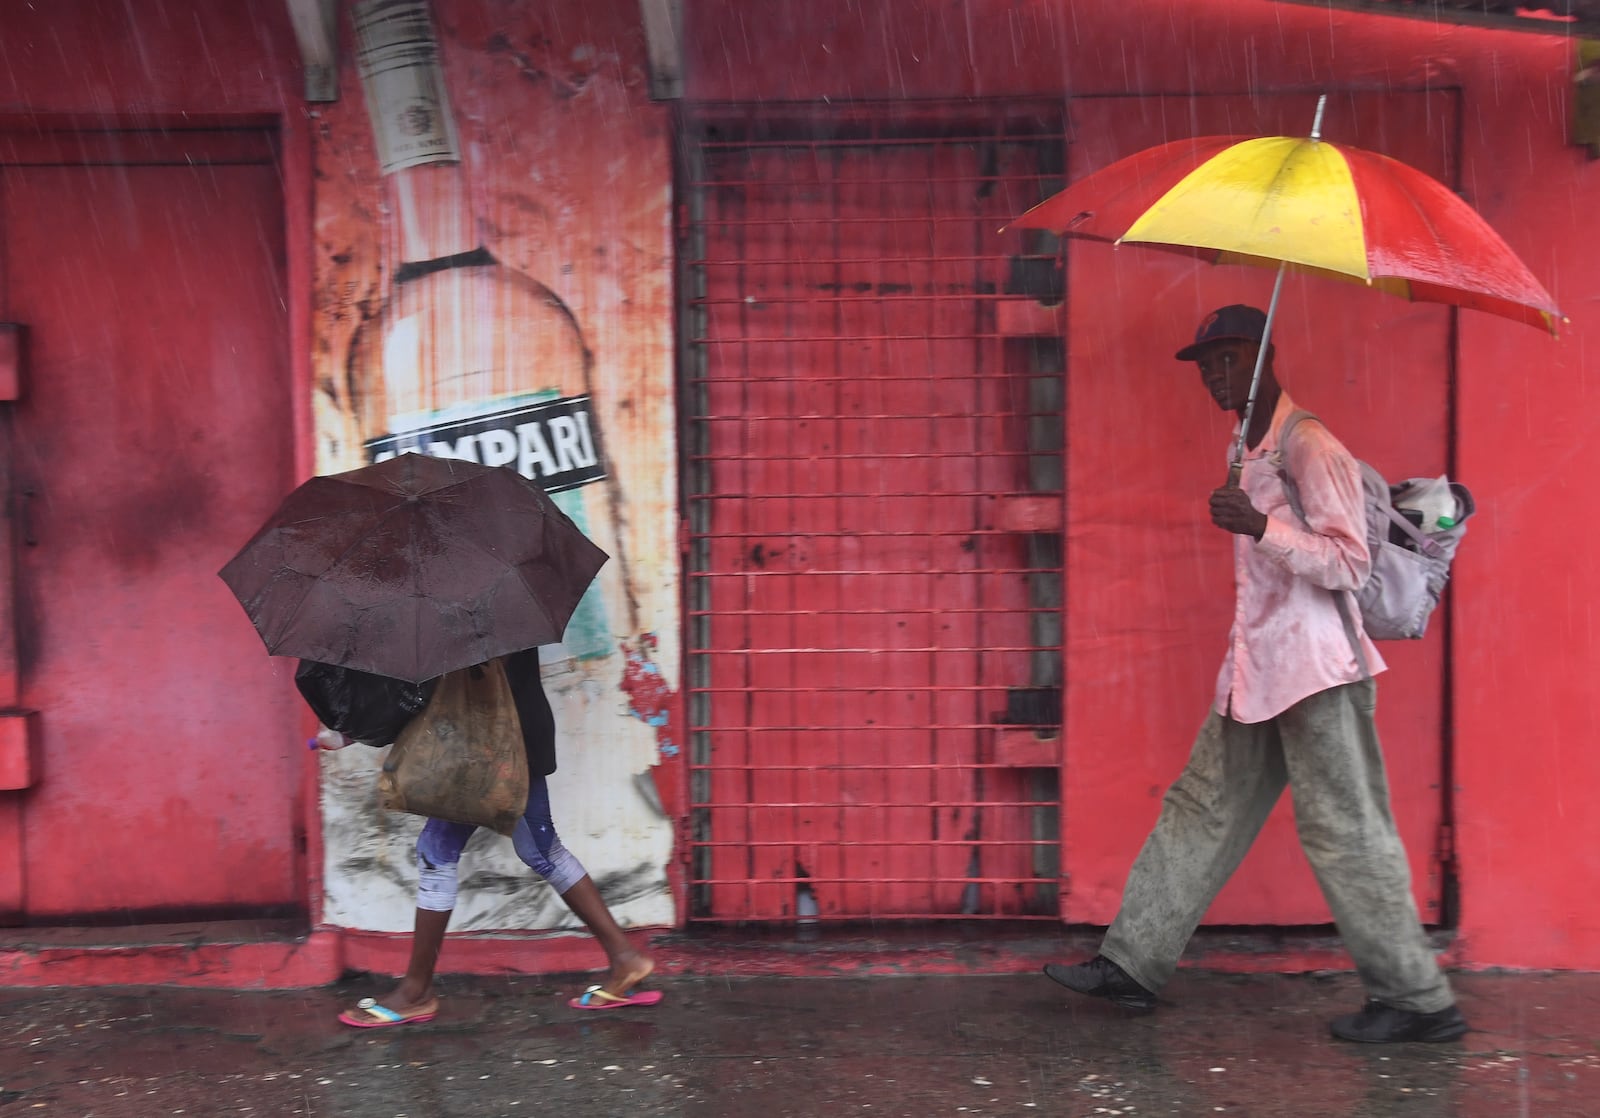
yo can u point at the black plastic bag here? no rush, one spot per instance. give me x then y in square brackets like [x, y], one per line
[372, 709]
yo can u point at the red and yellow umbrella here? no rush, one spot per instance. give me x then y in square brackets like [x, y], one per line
[1303, 205]
[1314, 206]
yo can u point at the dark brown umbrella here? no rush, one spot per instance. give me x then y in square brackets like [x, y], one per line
[413, 567]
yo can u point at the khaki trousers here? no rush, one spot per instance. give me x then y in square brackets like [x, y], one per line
[1325, 748]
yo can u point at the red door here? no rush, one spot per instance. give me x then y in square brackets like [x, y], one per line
[152, 435]
[1149, 581]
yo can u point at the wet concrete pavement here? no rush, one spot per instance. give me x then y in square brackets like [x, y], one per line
[770, 1047]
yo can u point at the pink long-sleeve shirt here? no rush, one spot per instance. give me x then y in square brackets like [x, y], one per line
[1287, 639]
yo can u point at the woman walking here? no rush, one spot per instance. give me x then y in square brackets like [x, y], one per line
[439, 850]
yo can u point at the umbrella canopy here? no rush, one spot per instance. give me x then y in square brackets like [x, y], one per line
[1306, 205]
[1311, 205]
[413, 567]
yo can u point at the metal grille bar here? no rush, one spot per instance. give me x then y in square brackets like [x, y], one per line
[873, 625]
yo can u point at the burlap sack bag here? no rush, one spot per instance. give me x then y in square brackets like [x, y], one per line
[462, 758]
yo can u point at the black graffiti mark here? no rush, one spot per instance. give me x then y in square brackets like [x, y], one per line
[642, 880]
[565, 88]
[496, 883]
[524, 900]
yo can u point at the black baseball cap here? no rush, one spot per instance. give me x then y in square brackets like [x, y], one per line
[1225, 324]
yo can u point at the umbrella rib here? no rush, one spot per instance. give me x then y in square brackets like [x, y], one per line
[398, 506]
[294, 614]
[478, 546]
[1446, 246]
[1283, 171]
[1433, 229]
[365, 540]
[517, 570]
[377, 518]
[1266, 195]
[1211, 197]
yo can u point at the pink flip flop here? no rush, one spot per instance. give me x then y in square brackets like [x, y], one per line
[382, 1017]
[596, 998]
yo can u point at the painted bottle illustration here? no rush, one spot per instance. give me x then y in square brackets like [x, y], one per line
[468, 358]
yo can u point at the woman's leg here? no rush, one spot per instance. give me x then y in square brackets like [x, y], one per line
[416, 988]
[540, 847]
[628, 967]
[438, 861]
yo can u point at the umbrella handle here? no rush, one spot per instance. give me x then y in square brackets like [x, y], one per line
[1235, 470]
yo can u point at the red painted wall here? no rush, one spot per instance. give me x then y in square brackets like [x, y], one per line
[95, 63]
[1525, 647]
[179, 62]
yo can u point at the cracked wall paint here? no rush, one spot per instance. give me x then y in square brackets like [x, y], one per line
[650, 697]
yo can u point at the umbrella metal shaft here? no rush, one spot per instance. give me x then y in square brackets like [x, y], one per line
[1236, 468]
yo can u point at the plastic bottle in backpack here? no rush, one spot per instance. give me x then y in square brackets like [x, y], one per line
[1430, 505]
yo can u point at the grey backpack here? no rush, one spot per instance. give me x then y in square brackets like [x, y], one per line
[1409, 566]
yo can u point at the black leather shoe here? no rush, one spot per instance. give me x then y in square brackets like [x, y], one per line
[1384, 1024]
[1101, 978]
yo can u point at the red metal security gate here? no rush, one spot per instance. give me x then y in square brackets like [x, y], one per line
[874, 491]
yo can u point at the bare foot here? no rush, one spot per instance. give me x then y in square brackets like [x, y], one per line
[406, 998]
[627, 971]
[401, 1006]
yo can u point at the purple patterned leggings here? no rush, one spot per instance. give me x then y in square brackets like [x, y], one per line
[440, 844]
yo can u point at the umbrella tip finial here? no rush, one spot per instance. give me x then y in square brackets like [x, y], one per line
[1316, 125]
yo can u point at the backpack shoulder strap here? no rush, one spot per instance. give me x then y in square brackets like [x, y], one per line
[1295, 418]
[1292, 491]
[1423, 543]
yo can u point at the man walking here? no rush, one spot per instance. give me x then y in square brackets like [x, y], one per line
[1294, 705]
